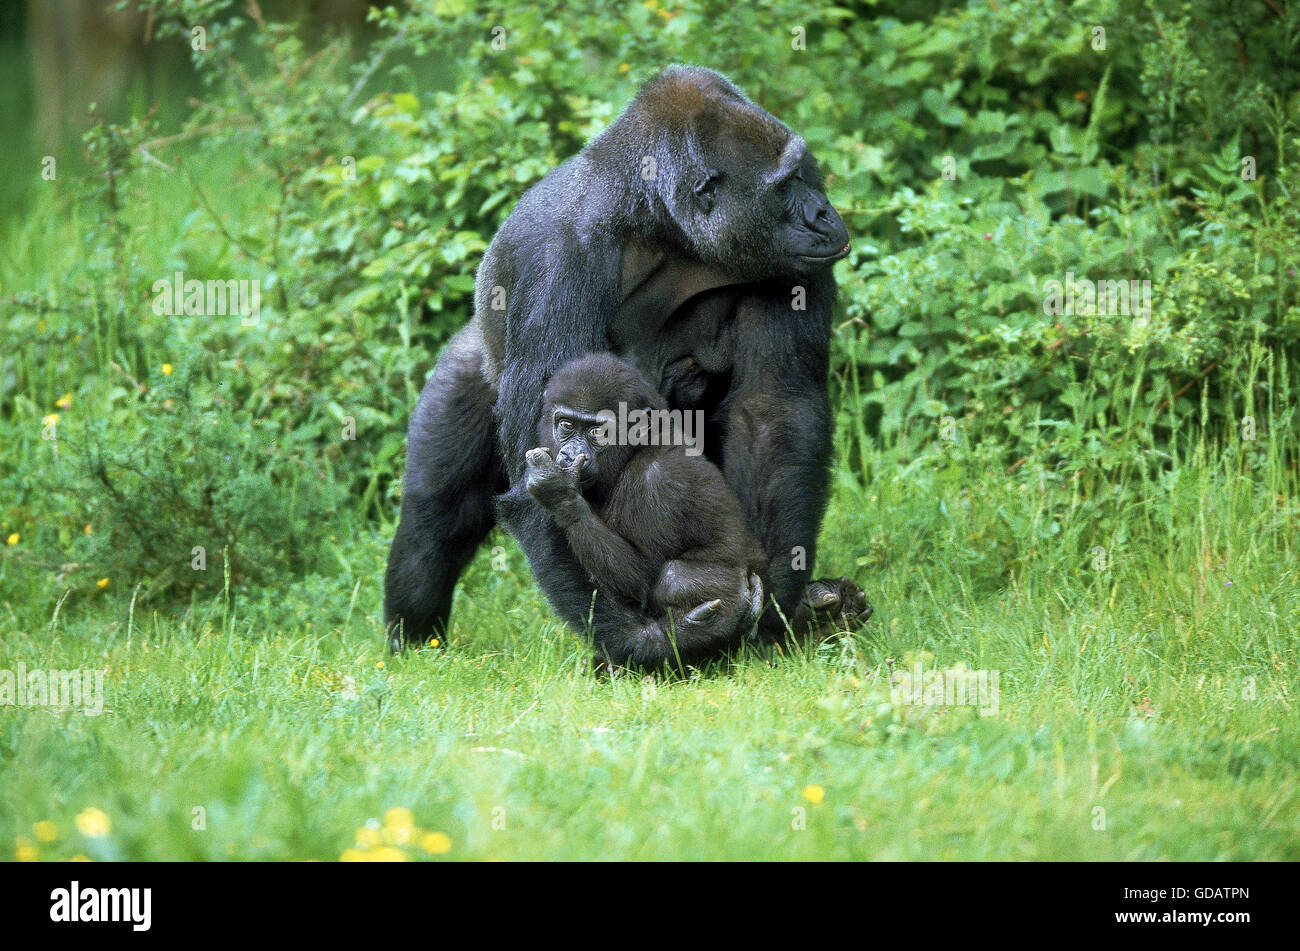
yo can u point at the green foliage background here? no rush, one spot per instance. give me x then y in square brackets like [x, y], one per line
[362, 196]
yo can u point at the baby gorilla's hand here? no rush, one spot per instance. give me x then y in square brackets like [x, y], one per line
[550, 483]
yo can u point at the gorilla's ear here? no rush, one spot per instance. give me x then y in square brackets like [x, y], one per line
[706, 190]
[698, 172]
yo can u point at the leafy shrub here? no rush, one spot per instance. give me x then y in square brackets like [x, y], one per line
[977, 151]
[182, 489]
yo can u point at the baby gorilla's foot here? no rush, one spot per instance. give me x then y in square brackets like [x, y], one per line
[704, 613]
[754, 597]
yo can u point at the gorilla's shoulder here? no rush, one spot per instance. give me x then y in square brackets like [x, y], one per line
[572, 204]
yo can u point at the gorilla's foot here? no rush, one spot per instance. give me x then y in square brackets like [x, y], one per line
[829, 605]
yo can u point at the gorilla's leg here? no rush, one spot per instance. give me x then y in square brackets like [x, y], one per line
[708, 603]
[453, 470]
[776, 451]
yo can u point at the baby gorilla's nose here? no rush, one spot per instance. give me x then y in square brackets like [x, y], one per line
[567, 460]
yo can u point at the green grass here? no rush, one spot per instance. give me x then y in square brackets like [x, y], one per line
[1153, 691]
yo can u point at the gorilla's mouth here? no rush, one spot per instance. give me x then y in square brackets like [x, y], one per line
[828, 258]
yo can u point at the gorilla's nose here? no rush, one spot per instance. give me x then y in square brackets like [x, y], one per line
[567, 460]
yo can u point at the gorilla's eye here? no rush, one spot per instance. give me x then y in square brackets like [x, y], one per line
[595, 432]
[565, 429]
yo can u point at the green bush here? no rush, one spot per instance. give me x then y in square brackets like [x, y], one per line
[977, 151]
[182, 490]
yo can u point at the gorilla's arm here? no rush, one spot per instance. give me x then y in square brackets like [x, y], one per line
[618, 568]
[573, 283]
[618, 633]
[557, 309]
[614, 563]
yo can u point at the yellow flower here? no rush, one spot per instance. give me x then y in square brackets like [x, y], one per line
[24, 851]
[50, 420]
[102, 582]
[814, 794]
[13, 539]
[366, 837]
[46, 830]
[65, 402]
[81, 858]
[399, 816]
[435, 843]
[167, 369]
[399, 835]
[87, 528]
[434, 642]
[93, 822]
[380, 665]
[388, 853]
[624, 67]
[399, 826]
[354, 855]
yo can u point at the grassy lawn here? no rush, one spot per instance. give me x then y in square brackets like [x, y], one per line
[1145, 709]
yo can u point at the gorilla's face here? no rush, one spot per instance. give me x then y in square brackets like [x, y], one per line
[580, 405]
[753, 200]
[579, 443]
[810, 234]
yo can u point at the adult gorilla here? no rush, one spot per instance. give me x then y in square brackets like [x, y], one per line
[693, 239]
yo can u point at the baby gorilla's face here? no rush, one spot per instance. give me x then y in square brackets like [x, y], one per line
[578, 443]
[587, 443]
[582, 410]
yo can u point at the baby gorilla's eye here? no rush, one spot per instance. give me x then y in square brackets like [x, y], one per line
[565, 429]
[595, 431]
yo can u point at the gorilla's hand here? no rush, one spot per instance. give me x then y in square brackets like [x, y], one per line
[552, 485]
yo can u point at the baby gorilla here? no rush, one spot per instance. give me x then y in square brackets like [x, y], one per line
[653, 527]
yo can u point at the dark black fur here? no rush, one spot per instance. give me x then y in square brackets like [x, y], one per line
[655, 528]
[690, 273]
